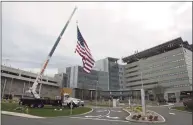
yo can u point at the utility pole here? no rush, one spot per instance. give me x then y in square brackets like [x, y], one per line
[97, 86]
[96, 93]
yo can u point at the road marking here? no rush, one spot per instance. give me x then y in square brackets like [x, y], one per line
[93, 116]
[101, 111]
[172, 113]
[115, 111]
[100, 116]
[112, 117]
[100, 119]
[108, 113]
[20, 114]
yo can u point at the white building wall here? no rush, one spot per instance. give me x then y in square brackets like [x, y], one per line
[188, 60]
[101, 65]
[74, 77]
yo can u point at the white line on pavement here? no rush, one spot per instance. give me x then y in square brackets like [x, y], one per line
[100, 116]
[112, 117]
[93, 116]
[19, 114]
[100, 119]
[101, 111]
[115, 111]
[172, 113]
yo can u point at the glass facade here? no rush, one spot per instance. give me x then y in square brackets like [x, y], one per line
[85, 80]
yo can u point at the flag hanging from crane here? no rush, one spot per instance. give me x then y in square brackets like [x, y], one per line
[84, 51]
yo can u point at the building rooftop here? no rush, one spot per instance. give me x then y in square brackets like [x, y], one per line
[112, 59]
[167, 46]
[25, 74]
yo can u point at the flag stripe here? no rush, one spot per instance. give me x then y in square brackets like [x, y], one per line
[88, 52]
[83, 50]
[85, 54]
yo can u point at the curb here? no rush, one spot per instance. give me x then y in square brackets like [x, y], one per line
[126, 111]
[32, 116]
[128, 115]
[160, 116]
[73, 115]
[19, 114]
[181, 111]
[83, 113]
[128, 119]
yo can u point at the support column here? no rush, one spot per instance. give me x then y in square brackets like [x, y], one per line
[82, 95]
[91, 94]
[10, 86]
[177, 94]
[4, 85]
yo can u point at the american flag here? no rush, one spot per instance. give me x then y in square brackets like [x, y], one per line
[84, 51]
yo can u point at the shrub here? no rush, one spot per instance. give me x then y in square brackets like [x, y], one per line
[143, 118]
[150, 117]
[134, 117]
[138, 109]
[155, 118]
[139, 116]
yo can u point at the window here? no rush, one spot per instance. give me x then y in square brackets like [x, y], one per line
[133, 71]
[131, 67]
[132, 76]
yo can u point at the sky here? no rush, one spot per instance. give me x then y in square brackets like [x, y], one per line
[30, 29]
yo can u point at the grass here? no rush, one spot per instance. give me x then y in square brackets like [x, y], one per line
[182, 108]
[136, 109]
[47, 111]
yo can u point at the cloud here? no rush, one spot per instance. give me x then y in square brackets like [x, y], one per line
[29, 30]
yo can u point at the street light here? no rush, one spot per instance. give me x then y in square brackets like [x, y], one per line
[96, 93]
[142, 91]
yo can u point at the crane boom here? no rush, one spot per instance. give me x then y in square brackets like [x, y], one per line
[32, 90]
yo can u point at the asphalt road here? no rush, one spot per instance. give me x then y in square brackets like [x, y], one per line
[173, 117]
[106, 113]
[100, 116]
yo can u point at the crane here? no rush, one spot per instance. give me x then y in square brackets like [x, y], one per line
[32, 89]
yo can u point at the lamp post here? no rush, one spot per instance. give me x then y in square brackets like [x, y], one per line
[142, 91]
[97, 82]
[96, 93]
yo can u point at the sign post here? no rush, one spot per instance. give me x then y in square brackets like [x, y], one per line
[114, 103]
[129, 103]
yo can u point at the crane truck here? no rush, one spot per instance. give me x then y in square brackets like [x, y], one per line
[39, 102]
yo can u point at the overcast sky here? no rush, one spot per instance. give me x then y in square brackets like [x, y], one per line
[29, 30]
